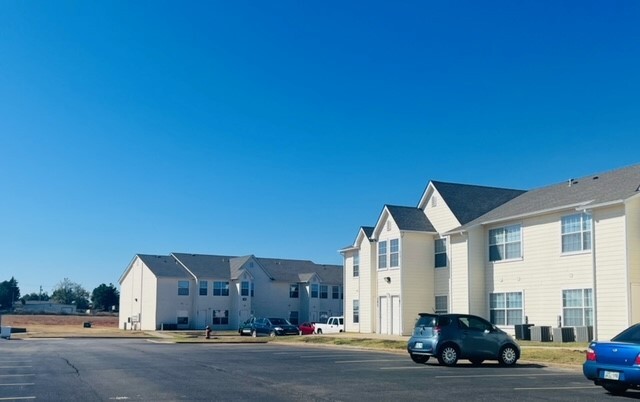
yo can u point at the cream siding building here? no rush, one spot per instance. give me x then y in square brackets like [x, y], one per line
[562, 255]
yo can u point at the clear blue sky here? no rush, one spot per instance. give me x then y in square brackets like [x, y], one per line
[279, 128]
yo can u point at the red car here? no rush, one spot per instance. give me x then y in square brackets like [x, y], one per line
[307, 328]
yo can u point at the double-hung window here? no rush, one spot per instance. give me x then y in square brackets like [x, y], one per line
[324, 292]
[244, 288]
[506, 308]
[220, 317]
[183, 288]
[394, 253]
[356, 264]
[382, 254]
[505, 243]
[576, 233]
[577, 307]
[203, 288]
[440, 252]
[221, 288]
[335, 292]
[441, 305]
[314, 290]
[294, 290]
[356, 311]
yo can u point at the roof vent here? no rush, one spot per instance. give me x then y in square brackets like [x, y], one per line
[572, 182]
[596, 177]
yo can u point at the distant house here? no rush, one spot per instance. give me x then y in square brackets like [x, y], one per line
[562, 255]
[36, 306]
[191, 291]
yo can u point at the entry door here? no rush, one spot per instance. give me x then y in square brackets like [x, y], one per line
[384, 315]
[395, 315]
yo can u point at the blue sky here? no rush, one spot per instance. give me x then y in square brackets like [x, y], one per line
[279, 128]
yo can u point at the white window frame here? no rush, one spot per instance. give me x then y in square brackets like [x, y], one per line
[439, 251]
[585, 304]
[502, 240]
[204, 285]
[183, 288]
[382, 256]
[356, 264]
[324, 291]
[394, 253]
[221, 288]
[583, 232]
[356, 311]
[506, 306]
[441, 307]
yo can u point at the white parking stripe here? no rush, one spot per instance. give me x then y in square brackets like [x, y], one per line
[15, 398]
[503, 375]
[365, 361]
[554, 388]
[18, 384]
[14, 375]
[12, 367]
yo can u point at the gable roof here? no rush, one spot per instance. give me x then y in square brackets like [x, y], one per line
[205, 266]
[611, 187]
[164, 266]
[468, 202]
[410, 218]
[300, 270]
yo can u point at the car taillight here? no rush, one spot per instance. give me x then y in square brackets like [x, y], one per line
[591, 355]
[436, 330]
[637, 362]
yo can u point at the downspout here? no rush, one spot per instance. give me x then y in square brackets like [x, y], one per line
[594, 271]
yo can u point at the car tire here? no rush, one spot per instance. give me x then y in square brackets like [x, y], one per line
[476, 362]
[448, 355]
[254, 334]
[272, 334]
[615, 389]
[300, 332]
[319, 331]
[420, 359]
[508, 355]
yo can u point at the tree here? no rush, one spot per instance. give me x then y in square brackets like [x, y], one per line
[36, 296]
[68, 292]
[103, 297]
[9, 293]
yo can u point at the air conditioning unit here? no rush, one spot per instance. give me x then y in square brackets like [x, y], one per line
[583, 334]
[540, 334]
[564, 334]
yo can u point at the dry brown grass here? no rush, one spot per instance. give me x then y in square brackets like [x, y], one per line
[46, 325]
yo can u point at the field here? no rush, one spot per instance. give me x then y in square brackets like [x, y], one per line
[65, 325]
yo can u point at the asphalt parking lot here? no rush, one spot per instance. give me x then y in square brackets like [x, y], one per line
[149, 370]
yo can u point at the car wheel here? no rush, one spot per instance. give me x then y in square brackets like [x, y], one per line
[254, 333]
[615, 389]
[319, 331]
[508, 355]
[272, 334]
[420, 359]
[300, 332]
[448, 355]
[476, 362]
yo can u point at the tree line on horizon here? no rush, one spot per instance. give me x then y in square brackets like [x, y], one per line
[102, 298]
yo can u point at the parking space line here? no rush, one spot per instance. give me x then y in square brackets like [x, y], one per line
[365, 361]
[405, 368]
[502, 375]
[14, 375]
[12, 367]
[15, 398]
[18, 384]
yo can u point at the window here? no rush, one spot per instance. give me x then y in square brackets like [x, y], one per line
[505, 243]
[324, 316]
[506, 308]
[182, 317]
[294, 290]
[356, 311]
[356, 264]
[293, 317]
[577, 307]
[440, 250]
[576, 233]
[394, 253]
[244, 288]
[203, 288]
[220, 317]
[183, 288]
[335, 292]
[221, 288]
[252, 289]
[441, 305]
[314, 290]
[324, 292]
[382, 254]
[183, 321]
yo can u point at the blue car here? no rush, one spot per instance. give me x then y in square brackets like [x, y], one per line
[615, 364]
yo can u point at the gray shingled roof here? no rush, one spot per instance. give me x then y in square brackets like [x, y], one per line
[410, 218]
[368, 231]
[616, 185]
[298, 270]
[467, 202]
[164, 266]
[206, 266]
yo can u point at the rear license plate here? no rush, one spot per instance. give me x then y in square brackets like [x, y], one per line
[418, 345]
[611, 375]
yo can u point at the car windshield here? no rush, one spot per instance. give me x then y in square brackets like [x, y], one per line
[426, 321]
[631, 335]
[278, 321]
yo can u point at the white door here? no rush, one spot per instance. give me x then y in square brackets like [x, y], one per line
[384, 315]
[395, 315]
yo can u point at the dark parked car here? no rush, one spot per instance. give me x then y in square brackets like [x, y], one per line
[246, 328]
[450, 337]
[273, 327]
[307, 328]
[615, 364]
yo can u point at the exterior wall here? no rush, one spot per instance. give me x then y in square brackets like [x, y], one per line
[417, 272]
[633, 256]
[391, 287]
[205, 305]
[138, 298]
[612, 296]
[351, 291]
[170, 303]
[367, 288]
[459, 270]
[439, 214]
[478, 302]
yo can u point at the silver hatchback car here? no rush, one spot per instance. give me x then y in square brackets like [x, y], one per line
[450, 337]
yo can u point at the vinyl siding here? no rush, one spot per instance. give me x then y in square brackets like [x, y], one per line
[351, 291]
[459, 297]
[477, 286]
[440, 215]
[633, 256]
[417, 271]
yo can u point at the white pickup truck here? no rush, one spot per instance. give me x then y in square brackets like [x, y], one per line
[333, 324]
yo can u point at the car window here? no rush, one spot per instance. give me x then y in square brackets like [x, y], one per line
[444, 320]
[278, 321]
[631, 334]
[426, 321]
